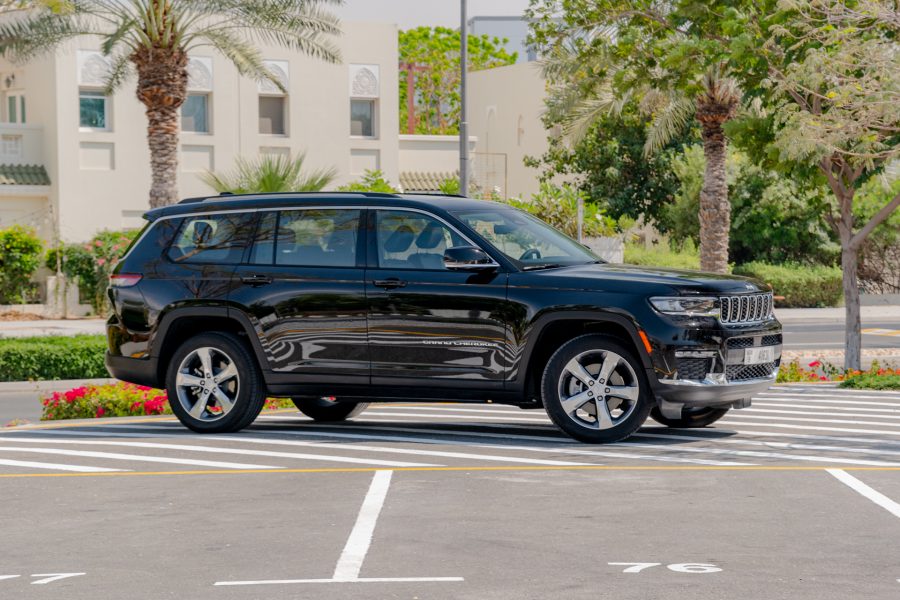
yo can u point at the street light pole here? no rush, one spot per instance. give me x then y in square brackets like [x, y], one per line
[463, 124]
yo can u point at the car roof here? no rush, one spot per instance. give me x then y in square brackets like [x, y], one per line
[231, 202]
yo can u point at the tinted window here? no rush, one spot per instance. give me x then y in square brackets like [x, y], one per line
[219, 239]
[308, 238]
[408, 240]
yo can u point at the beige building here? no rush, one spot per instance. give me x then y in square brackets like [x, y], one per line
[71, 156]
[505, 107]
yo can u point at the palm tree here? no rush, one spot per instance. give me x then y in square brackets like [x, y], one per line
[269, 173]
[577, 102]
[154, 38]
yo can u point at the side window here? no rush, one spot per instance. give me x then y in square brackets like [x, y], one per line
[212, 239]
[307, 238]
[409, 240]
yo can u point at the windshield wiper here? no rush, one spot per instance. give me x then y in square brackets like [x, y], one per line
[540, 267]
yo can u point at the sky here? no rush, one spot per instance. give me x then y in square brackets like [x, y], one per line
[411, 13]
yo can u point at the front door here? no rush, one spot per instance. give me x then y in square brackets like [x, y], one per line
[427, 323]
[302, 286]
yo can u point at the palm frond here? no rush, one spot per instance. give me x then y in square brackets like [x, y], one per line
[119, 72]
[22, 39]
[269, 173]
[243, 55]
[668, 123]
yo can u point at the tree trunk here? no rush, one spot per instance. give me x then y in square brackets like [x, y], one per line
[162, 88]
[853, 335]
[715, 209]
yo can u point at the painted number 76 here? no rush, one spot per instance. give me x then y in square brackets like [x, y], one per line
[637, 567]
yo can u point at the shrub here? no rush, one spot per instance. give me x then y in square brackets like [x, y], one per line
[371, 181]
[558, 207]
[118, 399]
[888, 379]
[77, 263]
[801, 286]
[660, 256]
[268, 173]
[78, 357]
[20, 257]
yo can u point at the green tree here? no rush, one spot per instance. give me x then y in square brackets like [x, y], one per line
[20, 257]
[673, 59]
[371, 181]
[436, 50]
[607, 163]
[154, 37]
[269, 173]
[834, 87]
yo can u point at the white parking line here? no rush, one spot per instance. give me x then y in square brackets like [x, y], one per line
[57, 467]
[135, 457]
[814, 413]
[223, 450]
[866, 491]
[809, 427]
[737, 415]
[351, 560]
[766, 404]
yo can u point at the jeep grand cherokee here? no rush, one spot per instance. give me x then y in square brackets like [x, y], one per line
[338, 299]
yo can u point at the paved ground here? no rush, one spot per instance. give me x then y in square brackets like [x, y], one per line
[793, 498]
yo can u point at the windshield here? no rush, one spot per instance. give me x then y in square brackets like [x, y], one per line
[528, 242]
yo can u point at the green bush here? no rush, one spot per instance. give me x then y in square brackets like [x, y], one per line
[20, 257]
[371, 181]
[660, 256]
[39, 358]
[869, 381]
[801, 286]
[558, 207]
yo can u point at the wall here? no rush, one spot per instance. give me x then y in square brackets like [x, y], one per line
[100, 179]
[431, 153]
[505, 106]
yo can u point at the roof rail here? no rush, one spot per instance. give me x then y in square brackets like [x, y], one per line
[233, 196]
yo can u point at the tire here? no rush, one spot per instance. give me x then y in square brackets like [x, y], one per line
[690, 417]
[243, 386]
[327, 411]
[570, 401]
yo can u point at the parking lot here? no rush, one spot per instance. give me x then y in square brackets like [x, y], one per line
[793, 498]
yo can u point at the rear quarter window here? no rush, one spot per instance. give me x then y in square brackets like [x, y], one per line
[212, 239]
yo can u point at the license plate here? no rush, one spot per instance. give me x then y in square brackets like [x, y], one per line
[755, 356]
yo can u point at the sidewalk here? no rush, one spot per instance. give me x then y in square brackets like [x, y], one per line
[832, 315]
[16, 329]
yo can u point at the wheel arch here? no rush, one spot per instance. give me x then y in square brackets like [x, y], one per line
[551, 331]
[181, 324]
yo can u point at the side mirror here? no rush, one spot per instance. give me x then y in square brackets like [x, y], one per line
[468, 258]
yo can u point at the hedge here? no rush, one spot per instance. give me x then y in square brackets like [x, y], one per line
[801, 286]
[40, 358]
[661, 256]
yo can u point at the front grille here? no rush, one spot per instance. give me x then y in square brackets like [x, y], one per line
[692, 368]
[745, 308]
[744, 372]
[747, 342]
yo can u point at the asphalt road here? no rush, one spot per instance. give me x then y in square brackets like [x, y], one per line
[830, 335]
[794, 498]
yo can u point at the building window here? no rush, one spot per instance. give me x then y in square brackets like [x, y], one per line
[195, 113]
[362, 118]
[15, 108]
[272, 115]
[93, 110]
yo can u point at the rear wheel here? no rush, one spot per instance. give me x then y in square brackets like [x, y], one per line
[595, 390]
[214, 384]
[320, 409]
[700, 416]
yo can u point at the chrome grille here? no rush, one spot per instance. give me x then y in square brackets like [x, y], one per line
[746, 342]
[746, 308]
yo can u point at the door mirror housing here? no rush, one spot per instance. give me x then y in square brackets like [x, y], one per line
[468, 258]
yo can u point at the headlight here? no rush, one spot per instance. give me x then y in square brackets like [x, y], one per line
[686, 306]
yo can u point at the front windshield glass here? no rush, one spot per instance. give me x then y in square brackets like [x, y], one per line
[528, 242]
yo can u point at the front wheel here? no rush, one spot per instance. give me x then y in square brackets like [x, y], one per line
[595, 390]
[700, 416]
[320, 409]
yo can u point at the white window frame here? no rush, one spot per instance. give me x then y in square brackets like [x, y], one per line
[209, 117]
[375, 107]
[107, 109]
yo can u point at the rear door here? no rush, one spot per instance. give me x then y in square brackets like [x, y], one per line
[302, 287]
[428, 324]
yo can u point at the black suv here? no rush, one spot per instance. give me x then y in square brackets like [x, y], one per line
[340, 299]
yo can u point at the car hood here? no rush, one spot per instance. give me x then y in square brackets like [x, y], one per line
[608, 275]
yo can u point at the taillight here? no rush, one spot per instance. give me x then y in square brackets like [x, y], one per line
[124, 280]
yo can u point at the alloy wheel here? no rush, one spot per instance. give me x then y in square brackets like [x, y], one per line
[207, 384]
[598, 389]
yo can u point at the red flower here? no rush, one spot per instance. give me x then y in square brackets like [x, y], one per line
[100, 412]
[815, 364]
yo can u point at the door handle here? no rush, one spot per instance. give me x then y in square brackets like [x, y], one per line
[256, 280]
[389, 284]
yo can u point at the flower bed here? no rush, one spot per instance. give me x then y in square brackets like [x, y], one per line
[117, 400]
[875, 377]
